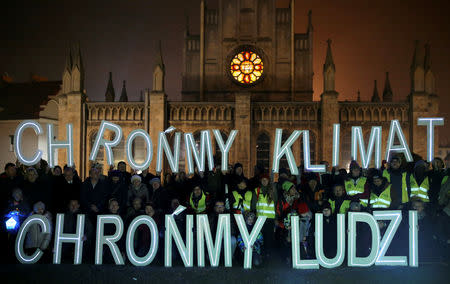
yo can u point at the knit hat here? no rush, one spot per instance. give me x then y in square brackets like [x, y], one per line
[135, 177]
[377, 174]
[354, 165]
[395, 157]
[326, 205]
[237, 165]
[153, 180]
[420, 163]
[39, 205]
[287, 185]
[265, 175]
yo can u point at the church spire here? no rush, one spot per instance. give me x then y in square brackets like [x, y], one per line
[159, 58]
[78, 62]
[427, 59]
[69, 62]
[159, 72]
[123, 95]
[387, 92]
[417, 70]
[329, 71]
[430, 84]
[110, 94]
[375, 96]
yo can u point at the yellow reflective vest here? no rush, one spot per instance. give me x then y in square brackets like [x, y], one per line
[263, 207]
[240, 202]
[421, 191]
[412, 182]
[353, 189]
[345, 206]
[382, 201]
[201, 206]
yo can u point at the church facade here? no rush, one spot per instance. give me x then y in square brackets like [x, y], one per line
[247, 70]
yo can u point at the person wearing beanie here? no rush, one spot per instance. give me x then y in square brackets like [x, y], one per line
[35, 238]
[159, 196]
[422, 179]
[291, 205]
[237, 198]
[258, 245]
[355, 182]
[263, 199]
[198, 200]
[339, 201]
[118, 190]
[137, 189]
[401, 183]
[329, 231]
[313, 192]
[378, 193]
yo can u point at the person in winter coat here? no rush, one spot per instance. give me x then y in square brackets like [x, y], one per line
[258, 245]
[198, 200]
[137, 189]
[159, 196]
[35, 238]
[118, 190]
[355, 182]
[65, 188]
[329, 231]
[377, 194]
[237, 201]
[340, 202]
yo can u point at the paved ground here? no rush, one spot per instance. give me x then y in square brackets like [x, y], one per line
[87, 273]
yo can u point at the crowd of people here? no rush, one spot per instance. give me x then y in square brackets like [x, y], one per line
[398, 185]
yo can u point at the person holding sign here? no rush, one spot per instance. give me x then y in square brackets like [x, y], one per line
[355, 182]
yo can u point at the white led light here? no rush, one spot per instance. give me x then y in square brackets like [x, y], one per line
[297, 262]
[52, 144]
[374, 144]
[413, 239]
[336, 138]
[353, 260]
[107, 144]
[163, 146]
[43, 222]
[249, 239]
[148, 142]
[18, 142]
[61, 237]
[150, 223]
[279, 151]
[186, 250]
[430, 122]
[395, 129]
[110, 241]
[307, 156]
[224, 148]
[199, 155]
[340, 254]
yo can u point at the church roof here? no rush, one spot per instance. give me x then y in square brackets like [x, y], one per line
[24, 100]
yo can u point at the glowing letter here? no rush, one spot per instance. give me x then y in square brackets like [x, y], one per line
[186, 251]
[279, 151]
[353, 218]
[204, 234]
[163, 146]
[148, 143]
[224, 148]
[18, 139]
[20, 254]
[199, 155]
[100, 141]
[336, 134]
[134, 259]
[395, 218]
[108, 240]
[403, 147]
[374, 142]
[61, 238]
[297, 263]
[340, 255]
[413, 240]
[430, 122]
[307, 156]
[249, 240]
[52, 144]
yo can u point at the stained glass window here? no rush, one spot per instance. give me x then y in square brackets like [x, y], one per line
[246, 67]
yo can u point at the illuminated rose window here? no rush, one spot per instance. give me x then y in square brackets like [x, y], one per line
[246, 67]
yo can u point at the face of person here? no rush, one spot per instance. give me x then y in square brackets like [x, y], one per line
[94, 174]
[68, 174]
[18, 196]
[122, 167]
[377, 181]
[149, 211]
[32, 176]
[250, 220]
[136, 182]
[114, 207]
[292, 191]
[439, 164]
[418, 206]
[219, 208]
[137, 203]
[242, 185]
[326, 212]
[338, 191]
[11, 171]
[57, 171]
[312, 183]
[156, 185]
[395, 164]
[197, 191]
[74, 206]
[239, 171]
[264, 182]
[174, 203]
[40, 211]
[356, 172]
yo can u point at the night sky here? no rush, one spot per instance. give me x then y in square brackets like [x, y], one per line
[368, 39]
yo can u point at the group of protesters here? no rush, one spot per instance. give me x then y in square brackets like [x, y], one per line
[398, 185]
